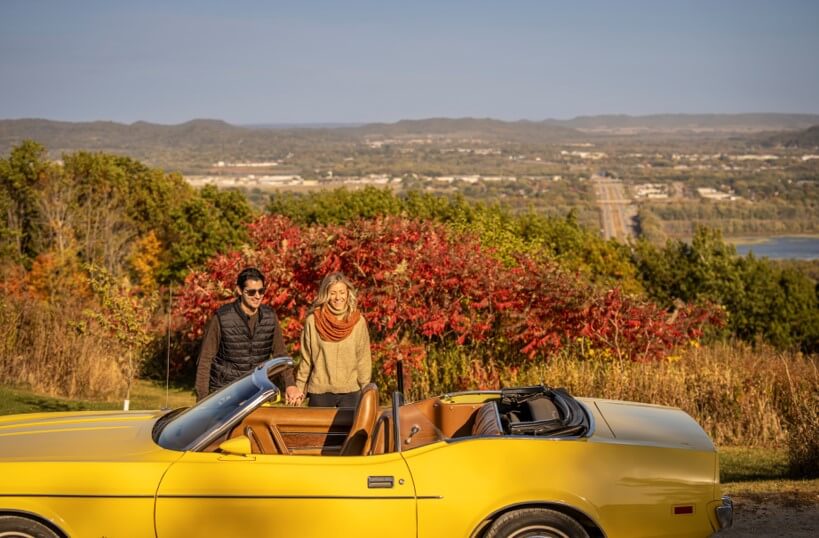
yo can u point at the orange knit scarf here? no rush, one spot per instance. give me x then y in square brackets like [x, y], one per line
[332, 329]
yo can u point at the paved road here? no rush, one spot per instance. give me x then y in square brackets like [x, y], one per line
[616, 211]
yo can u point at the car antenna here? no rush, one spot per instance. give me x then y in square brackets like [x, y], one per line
[168, 351]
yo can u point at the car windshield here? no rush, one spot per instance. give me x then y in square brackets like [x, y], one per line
[198, 424]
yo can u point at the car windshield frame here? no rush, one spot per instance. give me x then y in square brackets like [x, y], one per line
[198, 426]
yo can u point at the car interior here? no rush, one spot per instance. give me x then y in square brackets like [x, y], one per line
[365, 430]
[368, 429]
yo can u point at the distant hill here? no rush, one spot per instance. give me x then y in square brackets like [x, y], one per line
[201, 142]
[472, 128]
[110, 135]
[320, 125]
[736, 123]
[807, 139]
[163, 145]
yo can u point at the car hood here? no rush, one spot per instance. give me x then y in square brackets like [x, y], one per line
[645, 424]
[78, 436]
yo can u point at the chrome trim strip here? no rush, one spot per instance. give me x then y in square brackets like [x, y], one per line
[449, 395]
[74, 496]
[303, 497]
[83, 496]
[329, 434]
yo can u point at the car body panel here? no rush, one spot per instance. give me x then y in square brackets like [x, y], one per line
[74, 436]
[88, 473]
[617, 486]
[303, 495]
[651, 425]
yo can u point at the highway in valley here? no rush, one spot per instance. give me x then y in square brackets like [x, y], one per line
[617, 212]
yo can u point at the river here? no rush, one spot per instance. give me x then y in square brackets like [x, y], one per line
[781, 248]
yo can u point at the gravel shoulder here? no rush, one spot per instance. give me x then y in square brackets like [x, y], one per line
[791, 514]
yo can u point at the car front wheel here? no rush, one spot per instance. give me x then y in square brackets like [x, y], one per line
[22, 527]
[535, 522]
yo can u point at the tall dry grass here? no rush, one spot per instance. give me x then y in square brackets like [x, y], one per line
[741, 395]
[802, 417]
[47, 348]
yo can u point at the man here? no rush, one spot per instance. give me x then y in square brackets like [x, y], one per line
[239, 337]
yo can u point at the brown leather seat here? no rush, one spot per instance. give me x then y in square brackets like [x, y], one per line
[487, 420]
[359, 438]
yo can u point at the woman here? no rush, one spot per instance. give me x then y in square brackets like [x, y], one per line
[335, 347]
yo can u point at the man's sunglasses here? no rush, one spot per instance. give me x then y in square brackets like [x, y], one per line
[253, 292]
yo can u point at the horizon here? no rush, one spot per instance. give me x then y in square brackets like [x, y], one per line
[325, 124]
[261, 63]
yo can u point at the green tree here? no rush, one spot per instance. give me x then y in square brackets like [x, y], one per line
[119, 202]
[705, 269]
[151, 194]
[22, 228]
[777, 305]
[104, 230]
[215, 221]
[334, 207]
[763, 301]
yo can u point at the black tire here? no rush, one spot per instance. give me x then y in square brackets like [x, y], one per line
[23, 527]
[535, 522]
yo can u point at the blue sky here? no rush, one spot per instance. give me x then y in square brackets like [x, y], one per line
[250, 61]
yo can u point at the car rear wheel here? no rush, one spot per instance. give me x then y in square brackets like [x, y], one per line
[22, 527]
[535, 523]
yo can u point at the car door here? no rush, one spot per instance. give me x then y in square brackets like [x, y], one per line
[286, 495]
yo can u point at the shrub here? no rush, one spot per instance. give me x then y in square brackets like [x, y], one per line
[425, 288]
[801, 411]
[48, 349]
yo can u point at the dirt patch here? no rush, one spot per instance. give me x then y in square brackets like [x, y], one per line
[791, 514]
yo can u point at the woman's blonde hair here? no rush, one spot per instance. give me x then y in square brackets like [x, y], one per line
[324, 293]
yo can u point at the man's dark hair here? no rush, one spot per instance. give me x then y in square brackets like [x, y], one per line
[250, 273]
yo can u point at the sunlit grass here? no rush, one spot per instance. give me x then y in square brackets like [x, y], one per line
[742, 464]
[805, 490]
[761, 472]
[144, 395]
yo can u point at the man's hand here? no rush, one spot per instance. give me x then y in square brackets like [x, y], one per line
[293, 396]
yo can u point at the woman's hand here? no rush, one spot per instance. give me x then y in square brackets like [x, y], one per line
[293, 396]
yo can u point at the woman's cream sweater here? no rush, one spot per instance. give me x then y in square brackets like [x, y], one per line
[339, 367]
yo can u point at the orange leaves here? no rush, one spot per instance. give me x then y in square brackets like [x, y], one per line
[144, 258]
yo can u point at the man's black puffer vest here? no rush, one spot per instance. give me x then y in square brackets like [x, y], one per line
[238, 352]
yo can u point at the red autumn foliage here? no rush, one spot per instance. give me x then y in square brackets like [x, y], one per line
[421, 284]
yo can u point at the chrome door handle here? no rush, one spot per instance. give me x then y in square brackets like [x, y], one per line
[376, 482]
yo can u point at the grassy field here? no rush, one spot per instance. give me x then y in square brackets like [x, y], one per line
[145, 395]
[760, 471]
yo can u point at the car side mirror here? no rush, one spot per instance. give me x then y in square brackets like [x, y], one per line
[237, 446]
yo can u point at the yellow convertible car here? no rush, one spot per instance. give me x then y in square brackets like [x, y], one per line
[512, 463]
